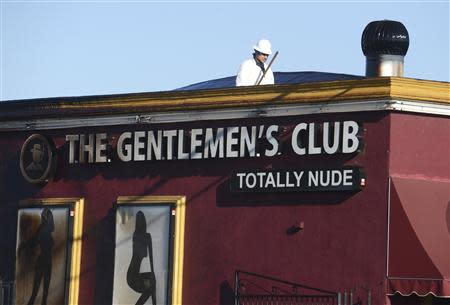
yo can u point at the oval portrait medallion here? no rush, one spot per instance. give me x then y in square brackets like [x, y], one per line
[37, 159]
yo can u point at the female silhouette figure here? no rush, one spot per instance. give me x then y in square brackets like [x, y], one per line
[43, 267]
[145, 282]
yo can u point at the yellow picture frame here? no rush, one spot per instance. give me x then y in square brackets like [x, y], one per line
[179, 204]
[76, 211]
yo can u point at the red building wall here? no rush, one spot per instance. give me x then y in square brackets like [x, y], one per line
[342, 245]
[419, 168]
[419, 146]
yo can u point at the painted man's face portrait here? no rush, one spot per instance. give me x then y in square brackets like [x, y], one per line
[37, 153]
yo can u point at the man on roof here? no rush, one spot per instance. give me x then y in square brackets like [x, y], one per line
[252, 70]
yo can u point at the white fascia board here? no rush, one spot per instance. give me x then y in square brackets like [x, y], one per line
[419, 107]
[232, 113]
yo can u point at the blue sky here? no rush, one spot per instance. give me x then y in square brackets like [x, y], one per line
[75, 48]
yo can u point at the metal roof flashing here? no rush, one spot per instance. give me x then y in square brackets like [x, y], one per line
[368, 94]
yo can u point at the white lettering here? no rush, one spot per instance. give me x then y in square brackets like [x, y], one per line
[248, 142]
[279, 184]
[213, 145]
[288, 183]
[270, 180]
[324, 179]
[336, 178]
[326, 138]
[154, 145]
[261, 178]
[312, 148]
[298, 177]
[72, 138]
[247, 180]
[195, 143]
[100, 148]
[138, 145]
[241, 178]
[182, 155]
[87, 147]
[295, 141]
[124, 151]
[348, 177]
[272, 141]
[313, 178]
[350, 141]
[169, 134]
[231, 142]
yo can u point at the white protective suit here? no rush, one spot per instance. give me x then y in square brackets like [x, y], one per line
[249, 73]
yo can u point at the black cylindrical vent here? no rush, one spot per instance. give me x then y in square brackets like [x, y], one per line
[385, 37]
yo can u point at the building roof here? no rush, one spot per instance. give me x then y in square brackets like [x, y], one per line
[280, 78]
[344, 95]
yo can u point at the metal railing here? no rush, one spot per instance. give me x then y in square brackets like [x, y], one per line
[256, 289]
[6, 292]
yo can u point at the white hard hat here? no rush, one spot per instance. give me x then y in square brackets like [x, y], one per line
[264, 46]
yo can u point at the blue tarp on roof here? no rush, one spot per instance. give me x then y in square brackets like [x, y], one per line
[280, 78]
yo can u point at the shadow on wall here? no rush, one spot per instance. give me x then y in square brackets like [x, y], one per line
[226, 198]
[104, 266]
[13, 189]
[226, 294]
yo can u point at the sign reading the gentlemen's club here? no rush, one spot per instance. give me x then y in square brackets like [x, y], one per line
[257, 141]
[327, 138]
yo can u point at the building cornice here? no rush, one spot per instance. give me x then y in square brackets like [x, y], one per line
[426, 93]
[419, 90]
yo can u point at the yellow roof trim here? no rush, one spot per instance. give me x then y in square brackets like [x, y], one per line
[419, 90]
[381, 88]
[364, 89]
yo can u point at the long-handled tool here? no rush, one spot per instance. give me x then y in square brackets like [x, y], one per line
[268, 67]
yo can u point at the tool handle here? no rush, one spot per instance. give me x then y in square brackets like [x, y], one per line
[268, 67]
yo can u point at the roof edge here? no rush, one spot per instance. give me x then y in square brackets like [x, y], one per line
[253, 96]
